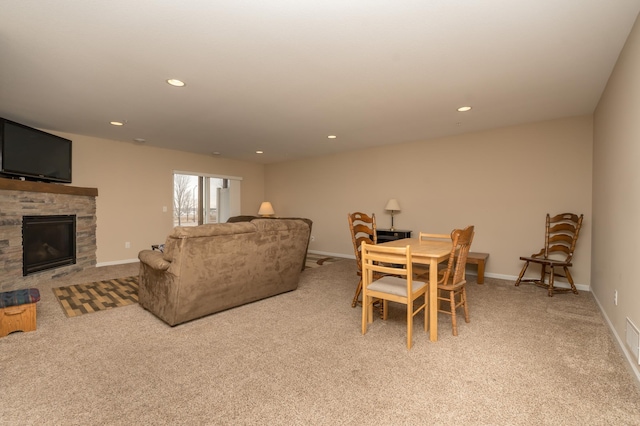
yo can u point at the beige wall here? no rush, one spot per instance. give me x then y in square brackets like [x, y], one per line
[503, 181]
[135, 181]
[616, 191]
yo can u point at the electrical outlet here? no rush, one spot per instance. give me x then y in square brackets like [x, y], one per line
[615, 297]
[127, 245]
[313, 238]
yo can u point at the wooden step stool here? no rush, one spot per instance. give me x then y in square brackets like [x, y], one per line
[18, 310]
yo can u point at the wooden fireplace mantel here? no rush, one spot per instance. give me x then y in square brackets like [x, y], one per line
[52, 188]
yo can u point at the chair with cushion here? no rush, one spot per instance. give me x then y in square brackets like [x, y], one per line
[561, 235]
[363, 229]
[396, 284]
[452, 282]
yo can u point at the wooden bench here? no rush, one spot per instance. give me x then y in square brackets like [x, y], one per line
[18, 310]
[479, 259]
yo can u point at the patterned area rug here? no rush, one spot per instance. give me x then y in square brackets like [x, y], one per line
[98, 296]
[317, 260]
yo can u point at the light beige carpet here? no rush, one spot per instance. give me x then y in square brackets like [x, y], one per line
[299, 359]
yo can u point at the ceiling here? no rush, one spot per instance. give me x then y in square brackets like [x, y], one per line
[281, 75]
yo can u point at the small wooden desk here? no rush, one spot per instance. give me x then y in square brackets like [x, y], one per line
[427, 253]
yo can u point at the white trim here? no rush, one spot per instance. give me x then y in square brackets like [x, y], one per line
[632, 362]
[326, 253]
[116, 262]
[206, 175]
[561, 284]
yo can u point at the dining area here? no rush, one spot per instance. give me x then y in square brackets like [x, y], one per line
[424, 273]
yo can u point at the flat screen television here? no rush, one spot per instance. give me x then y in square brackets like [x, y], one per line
[32, 154]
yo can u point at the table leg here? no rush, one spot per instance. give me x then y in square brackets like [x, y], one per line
[433, 300]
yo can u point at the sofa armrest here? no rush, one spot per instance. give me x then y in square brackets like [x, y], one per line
[154, 260]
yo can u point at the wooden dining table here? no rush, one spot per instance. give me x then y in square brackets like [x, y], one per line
[427, 252]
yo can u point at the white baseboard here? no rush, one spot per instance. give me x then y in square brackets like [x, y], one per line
[630, 359]
[117, 262]
[326, 253]
[561, 284]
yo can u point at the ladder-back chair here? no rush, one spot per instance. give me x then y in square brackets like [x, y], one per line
[363, 229]
[561, 235]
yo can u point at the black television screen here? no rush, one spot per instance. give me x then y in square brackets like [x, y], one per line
[33, 154]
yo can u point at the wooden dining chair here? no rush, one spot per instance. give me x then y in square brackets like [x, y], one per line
[363, 229]
[396, 284]
[452, 281]
[561, 235]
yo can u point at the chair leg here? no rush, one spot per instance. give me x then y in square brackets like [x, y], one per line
[463, 295]
[570, 279]
[382, 306]
[452, 302]
[551, 279]
[370, 304]
[426, 311]
[524, 268]
[354, 303]
[365, 314]
[409, 323]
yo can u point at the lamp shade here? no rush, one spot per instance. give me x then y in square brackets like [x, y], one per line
[393, 205]
[266, 209]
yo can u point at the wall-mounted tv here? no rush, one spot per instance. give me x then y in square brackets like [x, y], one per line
[32, 154]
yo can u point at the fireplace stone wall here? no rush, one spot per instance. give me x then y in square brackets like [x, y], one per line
[18, 199]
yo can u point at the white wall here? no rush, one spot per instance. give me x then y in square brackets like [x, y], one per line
[503, 181]
[616, 192]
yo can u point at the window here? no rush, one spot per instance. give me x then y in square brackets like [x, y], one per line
[199, 199]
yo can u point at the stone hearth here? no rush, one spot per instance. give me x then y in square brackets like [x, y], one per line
[20, 198]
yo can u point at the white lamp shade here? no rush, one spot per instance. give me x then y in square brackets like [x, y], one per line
[393, 205]
[266, 209]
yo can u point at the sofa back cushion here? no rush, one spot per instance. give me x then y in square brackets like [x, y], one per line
[208, 230]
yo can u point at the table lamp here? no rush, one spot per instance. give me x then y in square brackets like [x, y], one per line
[392, 206]
[266, 209]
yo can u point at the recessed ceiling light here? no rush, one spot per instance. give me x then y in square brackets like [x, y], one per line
[215, 153]
[464, 109]
[259, 152]
[139, 140]
[332, 136]
[117, 123]
[175, 82]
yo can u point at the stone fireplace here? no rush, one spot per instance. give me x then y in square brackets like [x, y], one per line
[20, 199]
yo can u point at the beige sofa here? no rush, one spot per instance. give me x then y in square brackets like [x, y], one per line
[209, 268]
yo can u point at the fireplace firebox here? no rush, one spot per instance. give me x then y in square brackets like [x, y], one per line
[48, 242]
